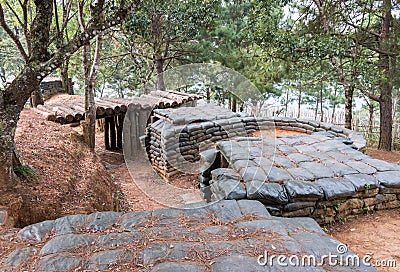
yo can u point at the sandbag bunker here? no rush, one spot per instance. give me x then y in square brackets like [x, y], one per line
[318, 175]
[321, 174]
[176, 137]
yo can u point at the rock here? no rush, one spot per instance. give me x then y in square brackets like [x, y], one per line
[379, 198]
[351, 204]
[266, 192]
[388, 205]
[323, 212]
[253, 208]
[36, 232]
[384, 190]
[367, 193]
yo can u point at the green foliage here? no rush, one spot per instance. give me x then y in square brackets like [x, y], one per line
[25, 171]
[396, 143]
[227, 43]
[336, 206]
[163, 34]
[341, 42]
[367, 186]
[10, 60]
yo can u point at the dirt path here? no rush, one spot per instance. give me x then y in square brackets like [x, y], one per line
[135, 199]
[375, 235]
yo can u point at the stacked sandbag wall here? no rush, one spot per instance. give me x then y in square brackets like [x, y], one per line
[176, 140]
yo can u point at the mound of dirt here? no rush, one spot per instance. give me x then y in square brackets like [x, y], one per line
[67, 178]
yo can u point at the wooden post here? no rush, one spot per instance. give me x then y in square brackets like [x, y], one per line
[120, 122]
[127, 136]
[113, 137]
[134, 132]
[106, 133]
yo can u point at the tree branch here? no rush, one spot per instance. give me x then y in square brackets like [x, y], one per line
[90, 32]
[116, 56]
[15, 13]
[12, 35]
[363, 29]
[370, 95]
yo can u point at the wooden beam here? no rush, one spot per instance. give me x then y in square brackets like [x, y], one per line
[106, 134]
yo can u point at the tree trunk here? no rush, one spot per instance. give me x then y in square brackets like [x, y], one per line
[159, 63]
[299, 104]
[286, 103]
[12, 101]
[8, 124]
[348, 108]
[38, 64]
[66, 83]
[91, 69]
[334, 107]
[386, 84]
[386, 123]
[321, 106]
[371, 117]
[89, 125]
[234, 104]
[36, 97]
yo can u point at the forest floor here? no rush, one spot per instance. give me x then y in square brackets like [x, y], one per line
[60, 159]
